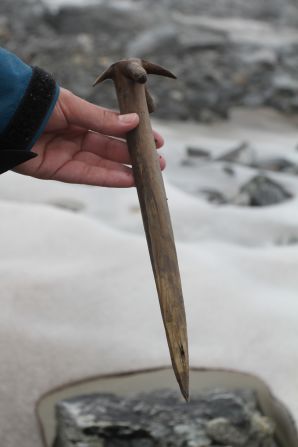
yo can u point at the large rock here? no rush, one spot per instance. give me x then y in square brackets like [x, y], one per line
[261, 191]
[160, 418]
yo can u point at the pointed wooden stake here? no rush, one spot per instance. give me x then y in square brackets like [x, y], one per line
[130, 77]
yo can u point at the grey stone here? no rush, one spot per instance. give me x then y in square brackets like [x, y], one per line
[158, 39]
[285, 83]
[242, 154]
[276, 164]
[161, 418]
[264, 56]
[191, 39]
[221, 430]
[287, 239]
[187, 162]
[262, 426]
[214, 196]
[261, 191]
[197, 152]
[229, 170]
[272, 11]
[216, 70]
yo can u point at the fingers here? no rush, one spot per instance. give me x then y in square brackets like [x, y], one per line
[159, 141]
[78, 112]
[90, 169]
[87, 170]
[112, 148]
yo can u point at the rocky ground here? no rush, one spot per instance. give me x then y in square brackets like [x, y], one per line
[260, 189]
[225, 53]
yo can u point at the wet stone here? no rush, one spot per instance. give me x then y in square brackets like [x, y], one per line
[198, 152]
[221, 430]
[242, 154]
[277, 164]
[214, 196]
[161, 418]
[156, 39]
[261, 191]
[229, 170]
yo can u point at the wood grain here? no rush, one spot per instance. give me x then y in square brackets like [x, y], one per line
[130, 77]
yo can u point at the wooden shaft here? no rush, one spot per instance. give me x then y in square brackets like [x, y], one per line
[157, 223]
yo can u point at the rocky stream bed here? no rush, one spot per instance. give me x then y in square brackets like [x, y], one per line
[225, 54]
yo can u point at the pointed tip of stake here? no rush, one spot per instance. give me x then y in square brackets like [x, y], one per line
[184, 386]
[180, 362]
[185, 394]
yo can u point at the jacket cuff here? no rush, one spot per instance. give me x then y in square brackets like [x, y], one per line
[29, 120]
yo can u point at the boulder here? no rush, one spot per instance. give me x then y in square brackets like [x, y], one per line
[161, 418]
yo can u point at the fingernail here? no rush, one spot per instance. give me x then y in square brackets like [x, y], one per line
[128, 118]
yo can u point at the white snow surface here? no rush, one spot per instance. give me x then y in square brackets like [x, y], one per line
[78, 296]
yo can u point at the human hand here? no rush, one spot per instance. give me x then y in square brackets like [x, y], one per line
[75, 148]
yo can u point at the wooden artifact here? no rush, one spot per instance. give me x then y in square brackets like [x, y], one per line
[130, 77]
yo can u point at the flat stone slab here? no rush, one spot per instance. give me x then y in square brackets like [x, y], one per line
[161, 418]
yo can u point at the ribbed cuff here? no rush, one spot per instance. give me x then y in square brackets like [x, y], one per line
[30, 114]
[29, 120]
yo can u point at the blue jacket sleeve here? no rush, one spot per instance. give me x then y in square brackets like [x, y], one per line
[27, 98]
